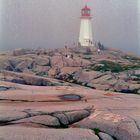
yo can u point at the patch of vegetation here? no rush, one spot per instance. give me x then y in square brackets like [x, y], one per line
[107, 66]
[96, 130]
[104, 66]
[129, 67]
[134, 91]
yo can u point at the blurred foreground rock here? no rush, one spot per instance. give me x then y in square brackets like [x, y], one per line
[36, 112]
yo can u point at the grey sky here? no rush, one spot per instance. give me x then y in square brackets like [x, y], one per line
[52, 23]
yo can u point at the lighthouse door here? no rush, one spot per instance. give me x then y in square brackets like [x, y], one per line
[87, 42]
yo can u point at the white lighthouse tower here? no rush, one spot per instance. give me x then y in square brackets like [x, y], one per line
[85, 36]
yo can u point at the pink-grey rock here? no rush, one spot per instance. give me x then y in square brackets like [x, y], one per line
[46, 120]
[30, 79]
[76, 115]
[102, 79]
[57, 61]
[27, 64]
[19, 133]
[53, 72]
[104, 136]
[116, 114]
[69, 70]
[20, 51]
[62, 118]
[116, 125]
[7, 116]
[42, 61]
[83, 76]
[41, 69]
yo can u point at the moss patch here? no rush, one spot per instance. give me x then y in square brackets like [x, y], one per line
[104, 66]
[96, 130]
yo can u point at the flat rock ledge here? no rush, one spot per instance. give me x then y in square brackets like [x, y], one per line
[52, 119]
[22, 133]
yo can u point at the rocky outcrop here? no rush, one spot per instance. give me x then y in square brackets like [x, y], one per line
[11, 116]
[61, 61]
[105, 136]
[45, 120]
[45, 94]
[28, 79]
[19, 52]
[19, 133]
[76, 115]
[104, 115]
[62, 118]
[42, 60]
[119, 126]
[103, 81]
[110, 70]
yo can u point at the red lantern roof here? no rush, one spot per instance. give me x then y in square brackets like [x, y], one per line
[86, 8]
[85, 12]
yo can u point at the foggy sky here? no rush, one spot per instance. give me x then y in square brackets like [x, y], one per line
[54, 23]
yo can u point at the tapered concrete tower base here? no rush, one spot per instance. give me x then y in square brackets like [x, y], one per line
[85, 36]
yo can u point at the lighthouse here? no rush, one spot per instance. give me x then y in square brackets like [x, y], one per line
[85, 36]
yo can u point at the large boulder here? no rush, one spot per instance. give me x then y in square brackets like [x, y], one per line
[53, 72]
[102, 79]
[24, 78]
[62, 118]
[46, 120]
[26, 64]
[119, 126]
[105, 136]
[85, 76]
[42, 60]
[76, 115]
[99, 86]
[70, 70]
[41, 69]
[7, 116]
[121, 86]
[57, 61]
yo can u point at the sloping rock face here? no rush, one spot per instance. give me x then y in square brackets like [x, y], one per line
[105, 136]
[29, 79]
[45, 120]
[115, 125]
[110, 70]
[11, 116]
[34, 112]
[18, 133]
[77, 115]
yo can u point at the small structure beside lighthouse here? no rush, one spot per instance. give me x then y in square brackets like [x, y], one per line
[85, 36]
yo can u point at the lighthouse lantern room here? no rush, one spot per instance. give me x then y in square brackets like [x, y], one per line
[85, 36]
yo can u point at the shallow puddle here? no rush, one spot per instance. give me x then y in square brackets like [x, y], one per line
[71, 97]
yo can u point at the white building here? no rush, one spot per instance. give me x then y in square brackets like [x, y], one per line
[85, 36]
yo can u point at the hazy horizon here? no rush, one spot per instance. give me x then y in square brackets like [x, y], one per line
[53, 23]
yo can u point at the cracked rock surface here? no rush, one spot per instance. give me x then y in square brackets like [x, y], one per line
[20, 133]
[34, 112]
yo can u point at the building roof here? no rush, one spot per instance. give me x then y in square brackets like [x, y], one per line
[86, 8]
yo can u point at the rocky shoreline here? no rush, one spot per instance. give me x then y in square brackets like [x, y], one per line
[69, 94]
[35, 112]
